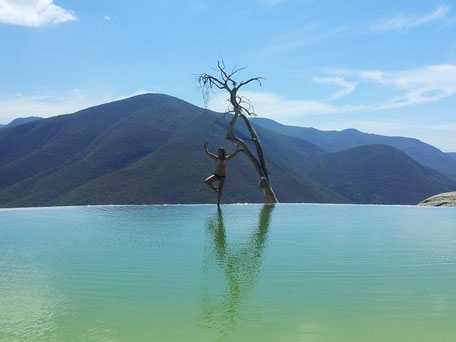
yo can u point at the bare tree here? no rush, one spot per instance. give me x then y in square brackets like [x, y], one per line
[241, 108]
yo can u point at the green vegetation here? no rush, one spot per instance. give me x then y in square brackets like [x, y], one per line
[336, 141]
[377, 174]
[148, 149]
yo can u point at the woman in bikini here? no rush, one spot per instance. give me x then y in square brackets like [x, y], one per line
[220, 167]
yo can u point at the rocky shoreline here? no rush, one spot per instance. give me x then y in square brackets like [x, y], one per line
[446, 199]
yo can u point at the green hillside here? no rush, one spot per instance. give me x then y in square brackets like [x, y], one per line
[336, 141]
[377, 174]
[148, 149]
[145, 149]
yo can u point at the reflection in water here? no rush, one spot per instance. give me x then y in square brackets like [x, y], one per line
[240, 265]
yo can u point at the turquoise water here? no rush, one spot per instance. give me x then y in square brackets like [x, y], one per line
[244, 273]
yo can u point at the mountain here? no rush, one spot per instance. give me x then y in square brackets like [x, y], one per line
[377, 174]
[20, 121]
[148, 149]
[336, 141]
[145, 149]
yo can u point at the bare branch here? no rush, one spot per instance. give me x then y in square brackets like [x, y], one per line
[221, 66]
[236, 70]
[249, 113]
[225, 76]
[248, 107]
[207, 83]
[258, 79]
[241, 107]
[208, 80]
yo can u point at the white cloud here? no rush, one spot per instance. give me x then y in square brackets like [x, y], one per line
[417, 86]
[347, 87]
[307, 35]
[440, 136]
[279, 108]
[107, 18]
[19, 105]
[411, 87]
[313, 33]
[33, 13]
[408, 87]
[139, 92]
[298, 112]
[402, 22]
[448, 127]
[398, 89]
[270, 105]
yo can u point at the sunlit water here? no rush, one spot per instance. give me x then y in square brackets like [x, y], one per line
[244, 273]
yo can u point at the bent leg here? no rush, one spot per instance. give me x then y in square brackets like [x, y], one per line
[209, 180]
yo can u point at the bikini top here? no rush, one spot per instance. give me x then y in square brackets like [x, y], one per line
[220, 162]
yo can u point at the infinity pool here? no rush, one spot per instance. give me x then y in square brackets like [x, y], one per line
[242, 273]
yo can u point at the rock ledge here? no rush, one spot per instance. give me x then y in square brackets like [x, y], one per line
[446, 199]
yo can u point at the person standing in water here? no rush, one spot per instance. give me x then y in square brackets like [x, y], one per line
[220, 168]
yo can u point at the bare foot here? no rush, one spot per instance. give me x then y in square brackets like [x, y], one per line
[215, 189]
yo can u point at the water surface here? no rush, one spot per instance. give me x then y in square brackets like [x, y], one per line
[242, 273]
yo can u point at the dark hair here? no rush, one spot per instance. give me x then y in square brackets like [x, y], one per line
[223, 150]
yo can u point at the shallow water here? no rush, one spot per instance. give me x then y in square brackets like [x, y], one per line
[244, 273]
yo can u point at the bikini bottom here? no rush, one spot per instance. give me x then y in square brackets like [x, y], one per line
[218, 176]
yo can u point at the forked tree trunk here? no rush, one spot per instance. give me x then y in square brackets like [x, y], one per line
[239, 111]
[260, 163]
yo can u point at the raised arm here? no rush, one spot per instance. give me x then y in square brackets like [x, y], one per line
[231, 156]
[213, 156]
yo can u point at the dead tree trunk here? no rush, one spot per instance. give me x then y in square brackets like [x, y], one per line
[241, 108]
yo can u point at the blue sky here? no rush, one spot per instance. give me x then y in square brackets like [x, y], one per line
[385, 67]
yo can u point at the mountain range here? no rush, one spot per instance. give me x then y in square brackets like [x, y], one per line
[148, 149]
[336, 141]
[20, 121]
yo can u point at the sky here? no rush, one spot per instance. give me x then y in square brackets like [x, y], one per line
[386, 67]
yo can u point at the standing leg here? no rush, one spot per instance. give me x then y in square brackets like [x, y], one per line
[220, 188]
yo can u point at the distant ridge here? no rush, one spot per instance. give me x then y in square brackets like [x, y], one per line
[376, 174]
[20, 121]
[148, 149]
[336, 141]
